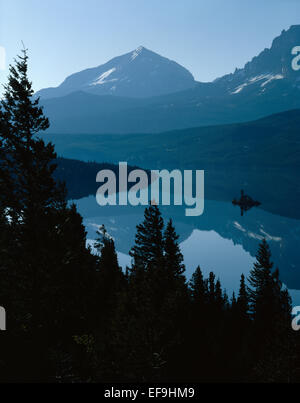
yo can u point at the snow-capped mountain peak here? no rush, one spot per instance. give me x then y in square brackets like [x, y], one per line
[137, 52]
[140, 73]
[272, 67]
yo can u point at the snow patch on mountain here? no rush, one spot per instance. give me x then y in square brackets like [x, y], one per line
[271, 78]
[102, 79]
[266, 78]
[239, 89]
[136, 53]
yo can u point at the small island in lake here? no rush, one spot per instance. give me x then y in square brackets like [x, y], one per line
[245, 202]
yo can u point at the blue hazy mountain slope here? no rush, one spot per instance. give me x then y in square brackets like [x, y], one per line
[269, 142]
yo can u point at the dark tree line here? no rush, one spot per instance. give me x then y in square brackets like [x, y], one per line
[79, 176]
[74, 316]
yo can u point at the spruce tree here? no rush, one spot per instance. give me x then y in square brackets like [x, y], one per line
[270, 306]
[110, 315]
[173, 256]
[198, 288]
[110, 276]
[145, 290]
[211, 288]
[50, 270]
[243, 301]
[233, 301]
[27, 167]
[262, 290]
[226, 303]
[148, 250]
[108, 264]
[260, 274]
[219, 300]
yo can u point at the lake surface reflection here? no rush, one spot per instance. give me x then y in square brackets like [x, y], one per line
[221, 240]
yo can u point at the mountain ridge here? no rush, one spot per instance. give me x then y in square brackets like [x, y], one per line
[266, 85]
[261, 143]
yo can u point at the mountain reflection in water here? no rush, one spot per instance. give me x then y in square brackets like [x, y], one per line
[220, 240]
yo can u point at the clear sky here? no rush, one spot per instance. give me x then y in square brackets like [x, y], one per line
[209, 37]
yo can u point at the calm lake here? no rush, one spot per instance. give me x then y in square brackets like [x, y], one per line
[221, 240]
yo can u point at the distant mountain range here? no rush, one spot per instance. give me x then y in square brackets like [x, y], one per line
[269, 143]
[142, 92]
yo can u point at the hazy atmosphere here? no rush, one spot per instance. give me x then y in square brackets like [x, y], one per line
[208, 37]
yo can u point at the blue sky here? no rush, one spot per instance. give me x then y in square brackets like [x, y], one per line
[209, 37]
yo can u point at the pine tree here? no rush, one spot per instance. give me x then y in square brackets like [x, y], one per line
[226, 303]
[146, 292]
[261, 285]
[148, 250]
[110, 303]
[211, 288]
[198, 288]
[50, 270]
[173, 257]
[233, 301]
[110, 276]
[219, 300]
[26, 157]
[270, 306]
[108, 260]
[27, 167]
[242, 301]
[157, 292]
